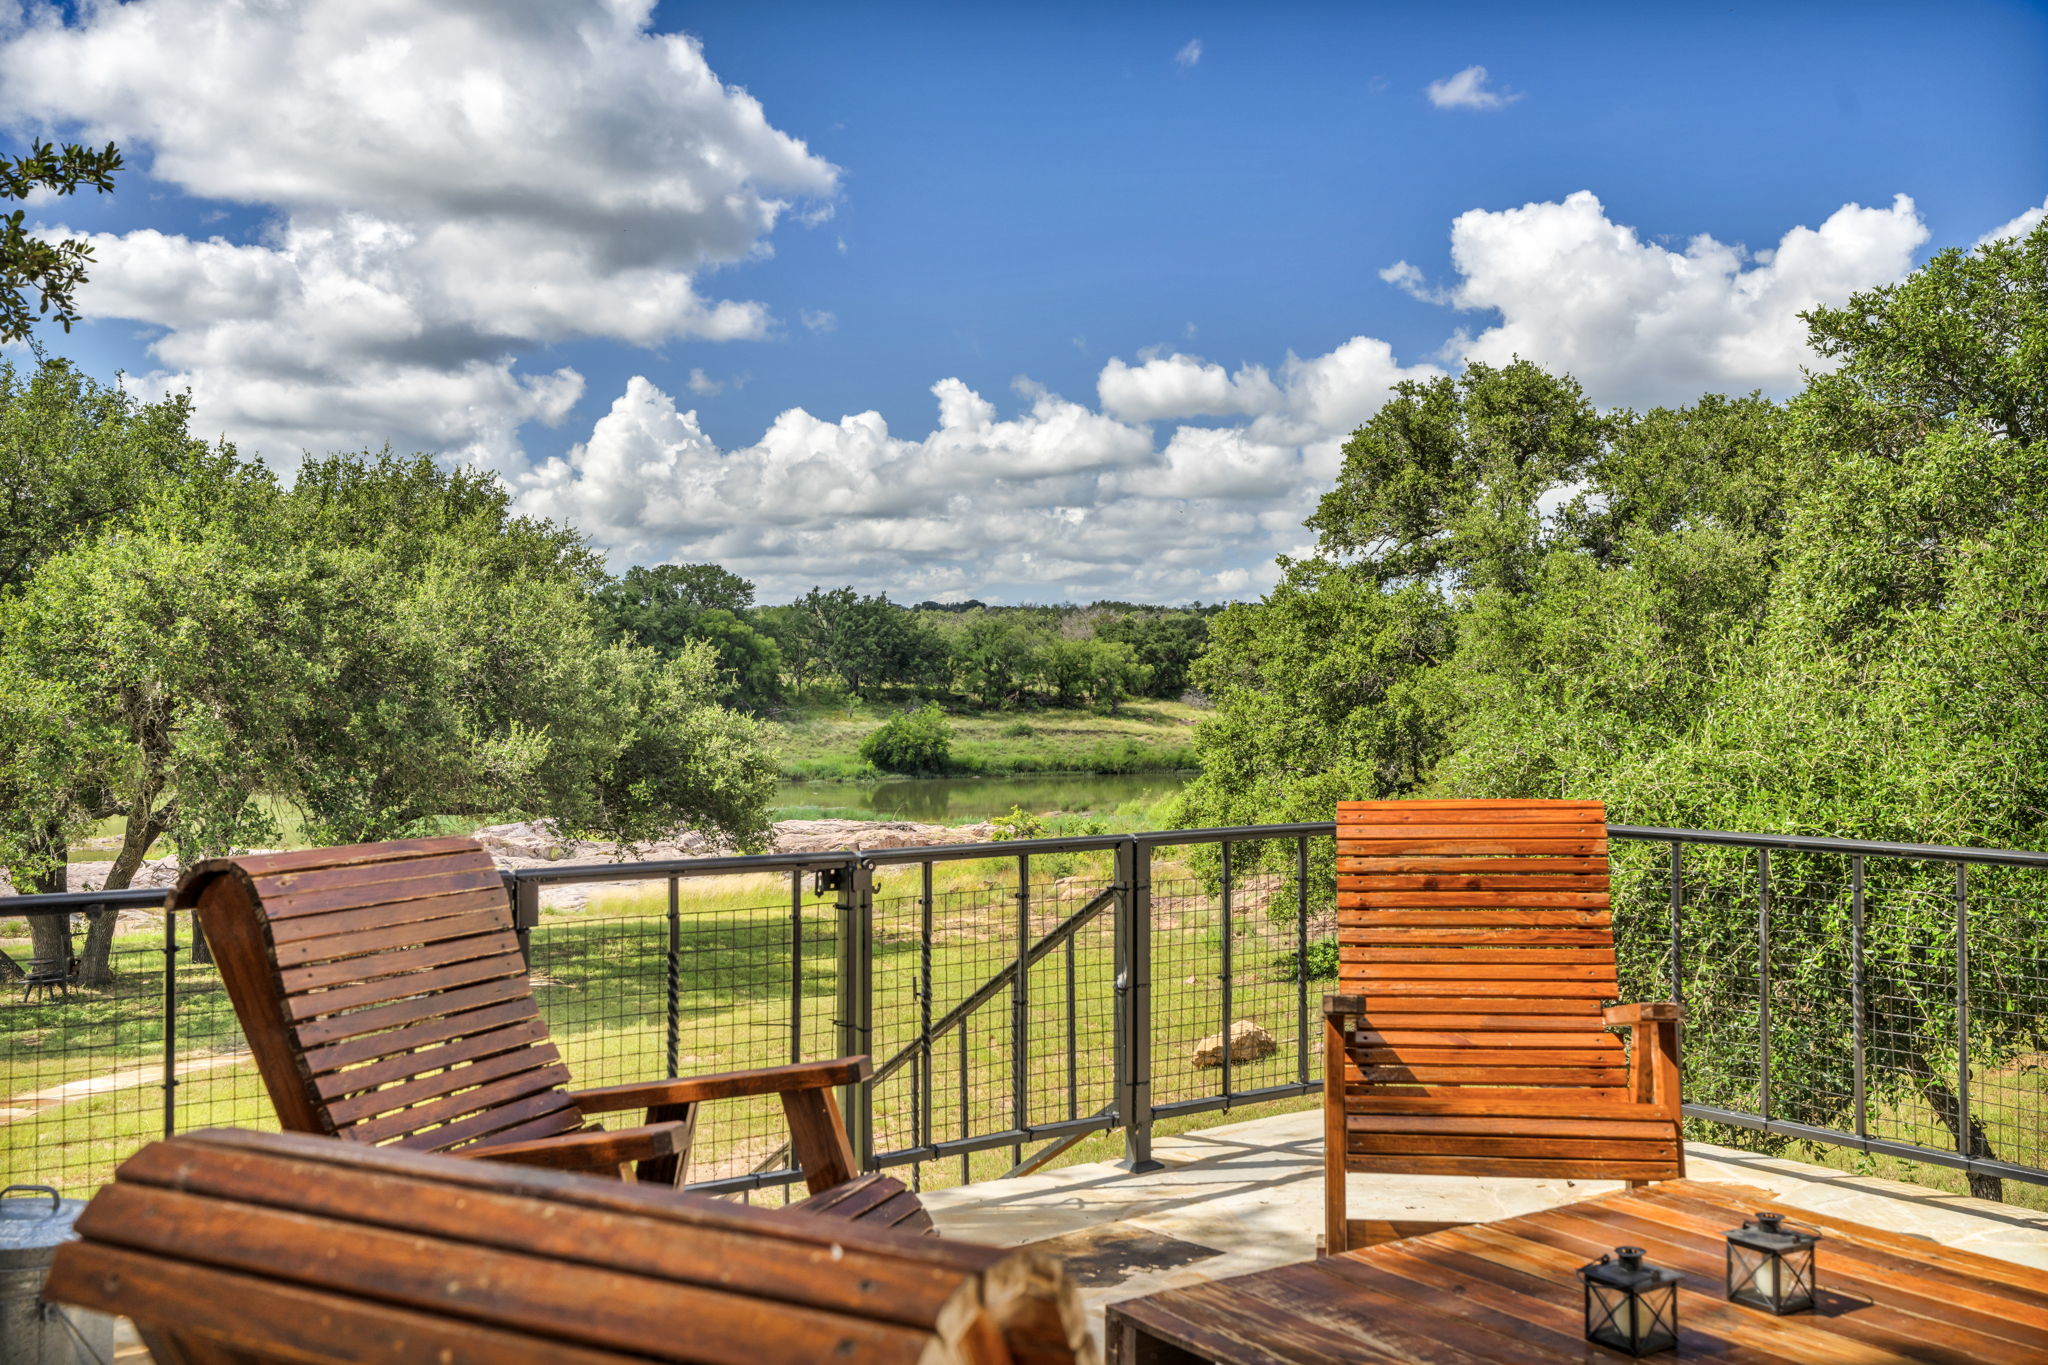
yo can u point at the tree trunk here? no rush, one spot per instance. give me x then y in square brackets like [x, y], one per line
[1942, 1099]
[95, 965]
[50, 935]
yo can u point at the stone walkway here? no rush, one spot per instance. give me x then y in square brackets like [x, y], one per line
[1248, 1196]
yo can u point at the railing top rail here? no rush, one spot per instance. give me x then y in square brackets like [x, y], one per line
[651, 869]
[1234, 833]
[143, 898]
[1870, 848]
[628, 871]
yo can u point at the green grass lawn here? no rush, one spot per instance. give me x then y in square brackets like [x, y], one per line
[1147, 736]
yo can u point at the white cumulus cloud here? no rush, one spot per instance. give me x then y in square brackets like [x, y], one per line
[2018, 227]
[1638, 322]
[1468, 90]
[1189, 54]
[448, 186]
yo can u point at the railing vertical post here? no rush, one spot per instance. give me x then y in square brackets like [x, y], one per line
[1134, 991]
[1020, 1012]
[1963, 1143]
[675, 976]
[1073, 1049]
[856, 964]
[924, 1019]
[1223, 977]
[1856, 987]
[1301, 1033]
[796, 967]
[1677, 924]
[525, 913]
[1763, 982]
[171, 1018]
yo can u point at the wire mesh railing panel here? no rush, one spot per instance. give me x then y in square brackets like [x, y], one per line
[1912, 1011]
[1834, 992]
[217, 1084]
[2008, 992]
[82, 1058]
[1721, 977]
[715, 978]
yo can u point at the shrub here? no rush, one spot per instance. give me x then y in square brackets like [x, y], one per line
[1018, 824]
[919, 741]
[1318, 964]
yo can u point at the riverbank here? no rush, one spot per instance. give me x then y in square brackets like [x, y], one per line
[823, 743]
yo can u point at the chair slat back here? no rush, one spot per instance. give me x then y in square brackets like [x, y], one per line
[1479, 933]
[383, 993]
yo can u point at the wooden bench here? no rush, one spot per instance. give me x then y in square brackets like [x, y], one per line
[234, 1248]
[386, 1001]
[1475, 954]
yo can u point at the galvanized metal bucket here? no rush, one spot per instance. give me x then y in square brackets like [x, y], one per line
[34, 1221]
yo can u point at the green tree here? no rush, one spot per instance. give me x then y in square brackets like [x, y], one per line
[669, 606]
[1167, 643]
[919, 741]
[381, 646]
[52, 270]
[1818, 617]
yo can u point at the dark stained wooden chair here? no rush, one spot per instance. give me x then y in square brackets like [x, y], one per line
[237, 1248]
[385, 999]
[1475, 954]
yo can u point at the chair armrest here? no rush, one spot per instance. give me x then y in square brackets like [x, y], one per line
[1656, 1011]
[593, 1150]
[1337, 1006]
[724, 1085]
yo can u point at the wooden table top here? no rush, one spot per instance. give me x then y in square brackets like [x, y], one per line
[1508, 1292]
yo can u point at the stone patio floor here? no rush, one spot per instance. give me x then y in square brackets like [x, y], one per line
[1246, 1196]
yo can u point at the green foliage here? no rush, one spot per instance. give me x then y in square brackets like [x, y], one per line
[381, 646]
[919, 741]
[672, 606]
[1018, 824]
[1820, 617]
[1319, 963]
[53, 270]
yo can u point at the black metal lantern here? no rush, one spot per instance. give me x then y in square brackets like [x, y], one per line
[1770, 1265]
[1631, 1305]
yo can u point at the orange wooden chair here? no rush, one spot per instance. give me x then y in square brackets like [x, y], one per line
[235, 1248]
[1475, 954]
[385, 999]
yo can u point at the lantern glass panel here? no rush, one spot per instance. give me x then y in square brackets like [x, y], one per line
[1631, 1307]
[1771, 1267]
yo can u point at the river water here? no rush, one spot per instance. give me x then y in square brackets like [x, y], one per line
[937, 800]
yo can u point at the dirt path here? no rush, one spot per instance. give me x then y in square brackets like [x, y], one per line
[21, 1106]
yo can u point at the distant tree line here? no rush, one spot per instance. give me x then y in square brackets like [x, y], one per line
[1101, 655]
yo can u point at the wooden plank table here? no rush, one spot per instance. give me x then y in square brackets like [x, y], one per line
[1508, 1292]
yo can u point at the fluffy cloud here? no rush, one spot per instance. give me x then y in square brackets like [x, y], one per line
[1467, 90]
[1187, 476]
[452, 185]
[1641, 323]
[2019, 226]
[1059, 501]
[1190, 54]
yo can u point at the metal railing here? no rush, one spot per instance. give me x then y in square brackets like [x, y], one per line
[1021, 997]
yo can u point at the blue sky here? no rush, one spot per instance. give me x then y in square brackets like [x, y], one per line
[539, 236]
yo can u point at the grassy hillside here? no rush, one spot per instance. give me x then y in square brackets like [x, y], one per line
[1150, 736]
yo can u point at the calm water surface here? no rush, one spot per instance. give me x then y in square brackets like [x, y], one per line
[937, 799]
